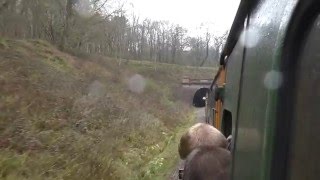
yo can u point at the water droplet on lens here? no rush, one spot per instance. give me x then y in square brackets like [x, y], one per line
[137, 83]
[250, 37]
[273, 80]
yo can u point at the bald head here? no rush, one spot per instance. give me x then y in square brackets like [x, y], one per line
[200, 134]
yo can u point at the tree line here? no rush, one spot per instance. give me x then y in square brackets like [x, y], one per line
[93, 27]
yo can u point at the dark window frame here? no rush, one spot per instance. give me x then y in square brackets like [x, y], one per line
[299, 27]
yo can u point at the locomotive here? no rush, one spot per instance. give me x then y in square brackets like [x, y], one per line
[266, 93]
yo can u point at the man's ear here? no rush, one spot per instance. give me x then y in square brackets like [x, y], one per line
[184, 146]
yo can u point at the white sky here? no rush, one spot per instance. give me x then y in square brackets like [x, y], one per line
[217, 15]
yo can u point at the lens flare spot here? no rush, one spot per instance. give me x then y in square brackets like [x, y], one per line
[250, 37]
[137, 83]
[273, 80]
[84, 8]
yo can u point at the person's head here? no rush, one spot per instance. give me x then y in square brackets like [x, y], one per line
[200, 134]
[208, 163]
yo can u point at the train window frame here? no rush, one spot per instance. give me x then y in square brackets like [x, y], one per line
[227, 123]
[298, 30]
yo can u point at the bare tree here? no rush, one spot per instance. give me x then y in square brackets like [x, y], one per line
[100, 27]
[207, 41]
[66, 24]
[218, 42]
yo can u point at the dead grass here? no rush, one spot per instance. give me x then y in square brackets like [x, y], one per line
[62, 117]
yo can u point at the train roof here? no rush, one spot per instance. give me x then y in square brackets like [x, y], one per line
[245, 7]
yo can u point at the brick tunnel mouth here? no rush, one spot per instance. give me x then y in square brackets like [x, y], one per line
[198, 98]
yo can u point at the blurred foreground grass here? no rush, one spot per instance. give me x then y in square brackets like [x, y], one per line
[63, 117]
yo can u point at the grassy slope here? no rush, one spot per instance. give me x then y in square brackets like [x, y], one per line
[63, 117]
[162, 165]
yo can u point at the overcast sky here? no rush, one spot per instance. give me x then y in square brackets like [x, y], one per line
[216, 14]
